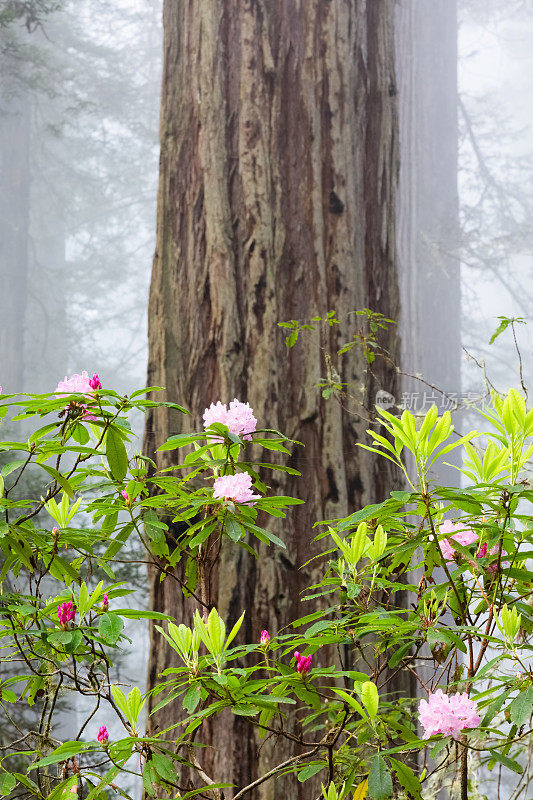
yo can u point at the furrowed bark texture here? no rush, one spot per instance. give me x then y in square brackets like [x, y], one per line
[276, 201]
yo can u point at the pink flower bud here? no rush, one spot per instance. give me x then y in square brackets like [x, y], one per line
[303, 663]
[103, 736]
[105, 603]
[265, 637]
[519, 675]
[55, 531]
[126, 497]
[94, 382]
[66, 613]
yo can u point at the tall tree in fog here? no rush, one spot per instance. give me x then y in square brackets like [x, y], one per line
[16, 61]
[496, 178]
[14, 228]
[87, 75]
[428, 224]
[277, 200]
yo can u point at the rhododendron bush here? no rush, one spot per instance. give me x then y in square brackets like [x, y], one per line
[459, 556]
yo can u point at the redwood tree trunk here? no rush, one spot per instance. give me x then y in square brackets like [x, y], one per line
[428, 205]
[14, 221]
[278, 173]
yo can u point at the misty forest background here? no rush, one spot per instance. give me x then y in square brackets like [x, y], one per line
[79, 153]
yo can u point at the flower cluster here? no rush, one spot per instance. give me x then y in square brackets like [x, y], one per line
[103, 736]
[79, 384]
[465, 537]
[303, 663]
[238, 418]
[459, 534]
[237, 488]
[66, 613]
[448, 715]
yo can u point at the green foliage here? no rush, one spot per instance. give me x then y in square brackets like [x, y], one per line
[469, 620]
[505, 322]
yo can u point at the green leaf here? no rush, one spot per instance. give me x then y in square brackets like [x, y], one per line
[130, 613]
[164, 766]
[522, 707]
[135, 704]
[310, 770]
[7, 783]
[504, 324]
[403, 497]
[370, 698]
[110, 775]
[507, 762]
[60, 479]
[399, 654]
[181, 440]
[149, 776]
[120, 699]
[7, 469]
[116, 455]
[110, 627]
[407, 778]
[192, 698]
[379, 780]
[62, 753]
[234, 530]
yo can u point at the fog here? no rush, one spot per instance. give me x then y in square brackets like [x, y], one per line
[79, 108]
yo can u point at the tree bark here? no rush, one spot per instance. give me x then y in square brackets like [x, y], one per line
[278, 173]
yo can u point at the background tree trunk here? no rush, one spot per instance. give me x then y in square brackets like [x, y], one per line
[279, 162]
[428, 206]
[14, 222]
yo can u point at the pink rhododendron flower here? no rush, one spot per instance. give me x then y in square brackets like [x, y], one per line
[87, 415]
[66, 613]
[235, 487]
[495, 551]
[265, 637]
[238, 418]
[459, 534]
[303, 663]
[77, 384]
[105, 603]
[103, 736]
[217, 412]
[449, 715]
